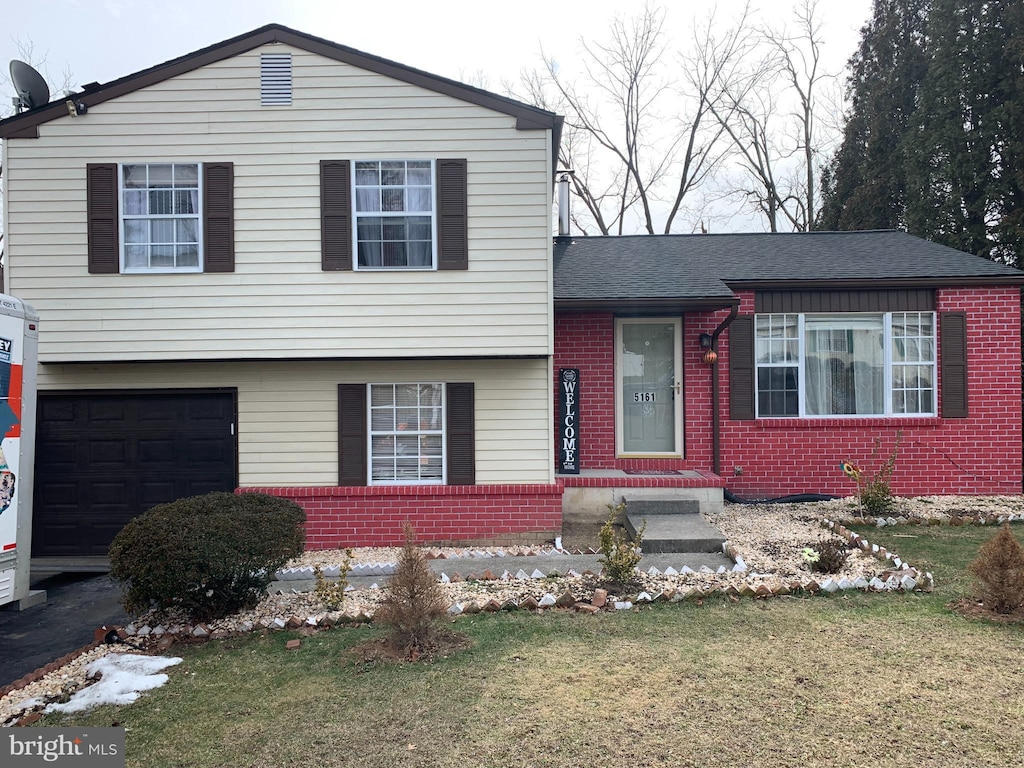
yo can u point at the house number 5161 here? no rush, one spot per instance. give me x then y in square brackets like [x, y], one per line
[644, 397]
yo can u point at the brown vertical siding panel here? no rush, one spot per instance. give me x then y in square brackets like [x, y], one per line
[896, 300]
[460, 433]
[953, 385]
[352, 469]
[452, 214]
[335, 215]
[218, 217]
[741, 368]
[101, 204]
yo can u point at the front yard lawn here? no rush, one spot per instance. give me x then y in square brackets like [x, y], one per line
[861, 680]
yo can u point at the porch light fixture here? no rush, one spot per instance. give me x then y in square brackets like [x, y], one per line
[710, 356]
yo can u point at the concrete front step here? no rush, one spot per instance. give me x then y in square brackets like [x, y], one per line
[671, 525]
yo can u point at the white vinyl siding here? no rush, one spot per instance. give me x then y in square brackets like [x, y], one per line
[288, 411]
[279, 303]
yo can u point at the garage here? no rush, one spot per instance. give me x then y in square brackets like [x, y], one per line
[102, 458]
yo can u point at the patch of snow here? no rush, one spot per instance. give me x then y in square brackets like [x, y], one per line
[124, 676]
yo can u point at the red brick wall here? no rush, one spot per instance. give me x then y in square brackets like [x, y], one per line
[979, 454]
[338, 517]
[586, 340]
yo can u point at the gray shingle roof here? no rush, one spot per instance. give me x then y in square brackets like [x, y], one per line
[706, 267]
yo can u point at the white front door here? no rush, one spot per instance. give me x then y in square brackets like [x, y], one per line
[648, 383]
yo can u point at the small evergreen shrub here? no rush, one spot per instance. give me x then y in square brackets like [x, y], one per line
[414, 605]
[827, 556]
[208, 555]
[999, 570]
[619, 556]
[332, 593]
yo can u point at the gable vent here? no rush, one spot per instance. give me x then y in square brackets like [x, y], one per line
[275, 79]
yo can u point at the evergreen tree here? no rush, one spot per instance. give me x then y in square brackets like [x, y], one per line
[964, 149]
[933, 141]
[864, 185]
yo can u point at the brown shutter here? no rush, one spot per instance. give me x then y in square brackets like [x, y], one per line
[101, 215]
[953, 349]
[352, 434]
[452, 215]
[741, 368]
[218, 217]
[335, 215]
[460, 435]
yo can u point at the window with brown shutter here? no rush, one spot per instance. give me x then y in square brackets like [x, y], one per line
[953, 384]
[741, 368]
[101, 204]
[452, 215]
[335, 215]
[218, 217]
[352, 464]
[461, 434]
[156, 209]
[389, 214]
[409, 433]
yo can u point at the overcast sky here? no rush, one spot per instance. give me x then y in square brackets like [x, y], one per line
[102, 40]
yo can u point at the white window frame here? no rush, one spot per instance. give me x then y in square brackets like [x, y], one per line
[373, 435]
[123, 216]
[357, 215]
[889, 365]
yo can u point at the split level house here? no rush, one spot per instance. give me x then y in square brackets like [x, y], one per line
[281, 264]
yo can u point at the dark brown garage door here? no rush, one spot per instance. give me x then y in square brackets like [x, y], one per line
[102, 459]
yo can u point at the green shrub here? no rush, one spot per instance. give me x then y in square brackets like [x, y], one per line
[619, 556]
[207, 555]
[999, 570]
[332, 593]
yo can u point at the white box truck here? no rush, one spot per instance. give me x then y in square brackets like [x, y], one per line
[19, 343]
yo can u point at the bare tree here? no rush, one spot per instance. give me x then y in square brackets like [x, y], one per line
[641, 143]
[780, 147]
[709, 65]
[625, 79]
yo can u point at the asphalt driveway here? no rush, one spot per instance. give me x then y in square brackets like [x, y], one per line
[76, 604]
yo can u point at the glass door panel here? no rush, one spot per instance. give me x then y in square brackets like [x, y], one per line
[648, 384]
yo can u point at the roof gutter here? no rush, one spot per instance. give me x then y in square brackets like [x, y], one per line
[716, 439]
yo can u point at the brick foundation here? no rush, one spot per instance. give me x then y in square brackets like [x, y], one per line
[372, 516]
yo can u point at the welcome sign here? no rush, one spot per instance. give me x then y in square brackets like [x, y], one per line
[569, 421]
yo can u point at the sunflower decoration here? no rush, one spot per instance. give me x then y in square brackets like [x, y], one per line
[850, 469]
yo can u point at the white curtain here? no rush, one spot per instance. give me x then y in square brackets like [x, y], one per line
[843, 366]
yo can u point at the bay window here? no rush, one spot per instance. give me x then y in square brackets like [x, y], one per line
[862, 364]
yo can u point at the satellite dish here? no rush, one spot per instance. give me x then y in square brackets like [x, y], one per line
[30, 85]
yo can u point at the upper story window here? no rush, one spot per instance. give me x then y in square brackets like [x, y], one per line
[394, 214]
[846, 364]
[408, 214]
[160, 220]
